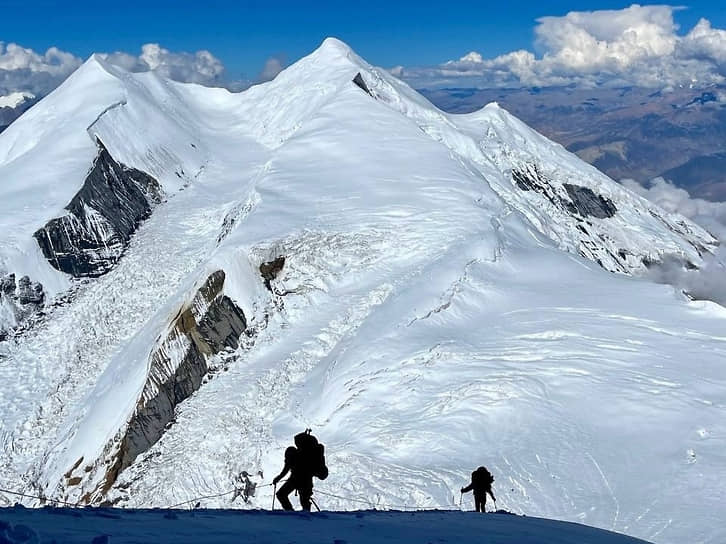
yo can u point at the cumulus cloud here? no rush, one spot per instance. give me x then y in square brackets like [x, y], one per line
[638, 45]
[273, 66]
[709, 282]
[200, 67]
[23, 70]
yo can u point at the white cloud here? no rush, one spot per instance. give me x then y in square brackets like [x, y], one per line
[638, 45]
[711, 215]
[708, 283]
[26, 71]
[200, 67]
[53, 61]
[273, 66]
[23, 70]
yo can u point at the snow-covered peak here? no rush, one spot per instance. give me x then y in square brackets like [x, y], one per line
[331, 48]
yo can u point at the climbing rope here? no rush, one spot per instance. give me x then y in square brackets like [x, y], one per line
[28, 496]
[374, 505]
[196, 499]
[203, 497]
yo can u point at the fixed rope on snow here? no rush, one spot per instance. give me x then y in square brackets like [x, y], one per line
[45, 499]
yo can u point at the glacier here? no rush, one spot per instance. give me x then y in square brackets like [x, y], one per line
[451, 290]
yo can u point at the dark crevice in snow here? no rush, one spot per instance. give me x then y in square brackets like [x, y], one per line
[209, 325]
[89, 239]
[358, 80]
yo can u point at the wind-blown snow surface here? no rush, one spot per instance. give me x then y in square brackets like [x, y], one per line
[431, 315]
[217, 527]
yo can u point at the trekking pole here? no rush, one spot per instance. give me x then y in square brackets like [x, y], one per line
[315, 503]
[274, 494]
[461, 501]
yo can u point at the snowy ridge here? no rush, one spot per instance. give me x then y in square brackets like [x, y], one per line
[219, 526]
[492, 139]
[424, 319]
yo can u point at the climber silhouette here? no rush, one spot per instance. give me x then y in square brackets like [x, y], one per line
[481, 483]
[303, 461]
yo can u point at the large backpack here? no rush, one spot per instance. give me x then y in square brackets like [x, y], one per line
[482, 478]
[311, 454]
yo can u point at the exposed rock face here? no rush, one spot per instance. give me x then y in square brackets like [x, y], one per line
[580, 203]
[23, 299]
[528, 179]
[211, 323]
[584, 206]
[581, 200]
[588, 204]
[102, 216]
[270, 270]
[358, 80]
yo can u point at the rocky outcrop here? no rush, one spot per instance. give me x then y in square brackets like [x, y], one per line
[208, 325]
[89, 239]
[358, 80]
[579, 200]
[270, 270]
[580, 204]
[584, 201]
[23, 299]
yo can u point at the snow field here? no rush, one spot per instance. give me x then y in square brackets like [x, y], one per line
[426, 321]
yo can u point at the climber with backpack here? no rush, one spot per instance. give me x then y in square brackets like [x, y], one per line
[303, 461]
[481, 483]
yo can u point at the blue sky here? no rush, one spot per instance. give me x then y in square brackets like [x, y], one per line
[243, 34]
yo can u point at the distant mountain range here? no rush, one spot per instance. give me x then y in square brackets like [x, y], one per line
[627, 133]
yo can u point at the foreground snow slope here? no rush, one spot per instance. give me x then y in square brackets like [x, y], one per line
[219, 526]
[442, 297]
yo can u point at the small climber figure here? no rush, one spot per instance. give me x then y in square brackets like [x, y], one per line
[244, 487]
[481, 483]
[303, 461]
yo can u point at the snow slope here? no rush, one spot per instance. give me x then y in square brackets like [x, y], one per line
[219, 526]
[446, 300]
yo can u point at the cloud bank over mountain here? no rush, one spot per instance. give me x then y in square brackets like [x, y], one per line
[638, 45]
[708, 281]
[25, 70]
[199, 67]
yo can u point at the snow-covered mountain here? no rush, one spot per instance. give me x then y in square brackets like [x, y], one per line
[189, 276]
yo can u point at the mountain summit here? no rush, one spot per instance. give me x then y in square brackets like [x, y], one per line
[191, 276]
